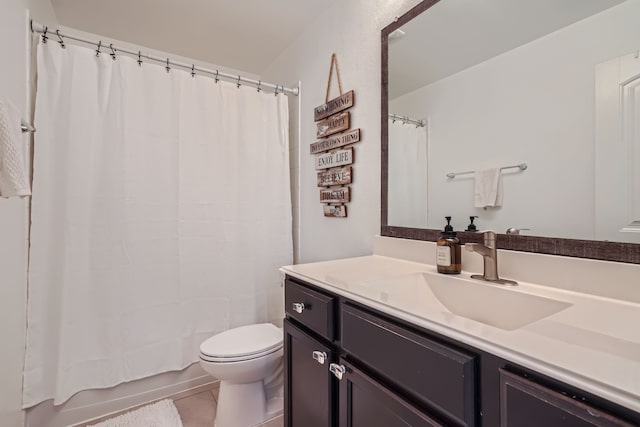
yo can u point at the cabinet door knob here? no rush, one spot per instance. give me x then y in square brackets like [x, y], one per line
[337, 370]
[298, 307]
[320, 356]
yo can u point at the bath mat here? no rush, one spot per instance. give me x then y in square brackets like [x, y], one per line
[160, 414]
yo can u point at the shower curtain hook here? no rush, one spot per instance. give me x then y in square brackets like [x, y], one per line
[637, 55]
[139, 59]
[167, 67]
[276, 92]
[193, 70]
[217, 79]
[98, 49]
[44, 35]
[113, 52]
[60, 37]
[238, 84]
[259, 83]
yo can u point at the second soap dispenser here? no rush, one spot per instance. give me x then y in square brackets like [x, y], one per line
[448, 257]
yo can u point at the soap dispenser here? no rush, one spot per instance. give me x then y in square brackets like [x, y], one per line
[448, 258]
[472, 227]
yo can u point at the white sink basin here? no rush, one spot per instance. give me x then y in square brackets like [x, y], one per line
[499, 306]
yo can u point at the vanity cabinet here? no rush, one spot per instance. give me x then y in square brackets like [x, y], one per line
[348, 365]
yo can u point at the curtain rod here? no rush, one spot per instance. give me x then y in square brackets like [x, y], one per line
[406, 120]
[111, 50]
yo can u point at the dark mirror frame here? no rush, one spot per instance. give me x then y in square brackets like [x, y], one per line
[593, 249]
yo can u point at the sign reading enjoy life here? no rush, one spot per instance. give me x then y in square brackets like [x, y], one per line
[331, 158]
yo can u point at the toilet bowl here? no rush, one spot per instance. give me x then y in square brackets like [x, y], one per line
[242, 358]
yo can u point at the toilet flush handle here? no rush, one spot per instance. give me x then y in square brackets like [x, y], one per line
[298, 307]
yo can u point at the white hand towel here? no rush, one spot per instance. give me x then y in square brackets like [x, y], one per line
[13, 177]
[488, 188]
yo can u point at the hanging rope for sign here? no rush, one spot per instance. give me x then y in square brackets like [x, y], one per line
[334, 64]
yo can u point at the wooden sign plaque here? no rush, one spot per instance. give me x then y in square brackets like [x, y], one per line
[335, 195]
[338, 176]
[334, 159]
[333, 124]
[336, 141]
[336, 105]
[335, 211]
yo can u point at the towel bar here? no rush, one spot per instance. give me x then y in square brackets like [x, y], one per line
[521, 166]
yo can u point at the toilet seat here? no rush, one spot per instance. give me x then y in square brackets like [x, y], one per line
[243, 343]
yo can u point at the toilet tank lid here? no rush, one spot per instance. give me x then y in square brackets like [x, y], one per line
[245, 340]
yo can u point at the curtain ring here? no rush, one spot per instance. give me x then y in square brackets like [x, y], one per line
[139, 59]
[44, 35]
[217, 79]
[259, 83]
[98, 49]
[238, 84]
[113, 52]
[193, 70]
[60, 37]
[167, 67]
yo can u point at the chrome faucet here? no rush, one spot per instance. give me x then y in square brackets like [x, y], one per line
[490, 257]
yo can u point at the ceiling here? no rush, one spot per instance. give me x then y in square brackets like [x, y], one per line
[243, 34]
[454, 35]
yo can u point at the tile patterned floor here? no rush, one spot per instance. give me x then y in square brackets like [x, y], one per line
[199, 410]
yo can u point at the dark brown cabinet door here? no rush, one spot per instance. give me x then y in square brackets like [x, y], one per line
[524, 403]
[308, 382]
[366, 403]
[436, 375]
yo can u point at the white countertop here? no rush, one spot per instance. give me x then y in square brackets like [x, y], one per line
[593, 345]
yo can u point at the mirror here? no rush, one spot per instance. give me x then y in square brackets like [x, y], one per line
[542, 90]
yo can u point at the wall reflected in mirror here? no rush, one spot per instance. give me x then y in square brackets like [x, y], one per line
[553, 84]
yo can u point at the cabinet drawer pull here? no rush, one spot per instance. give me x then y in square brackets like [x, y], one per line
[320, 356]
[298, 307]
[337, 370]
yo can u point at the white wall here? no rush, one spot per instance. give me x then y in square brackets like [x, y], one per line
[14, 212]
[534, 104]
[352, 30]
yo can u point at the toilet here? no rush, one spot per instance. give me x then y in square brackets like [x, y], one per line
[248, 362]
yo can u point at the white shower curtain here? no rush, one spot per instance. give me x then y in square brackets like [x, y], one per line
[161, 213]
[407, 179]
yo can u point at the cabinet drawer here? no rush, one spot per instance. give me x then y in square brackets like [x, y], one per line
[441, 377]
[524, 403]
[311, 308]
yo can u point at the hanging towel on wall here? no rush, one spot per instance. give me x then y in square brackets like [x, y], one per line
[13, 176]
[488, 188]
